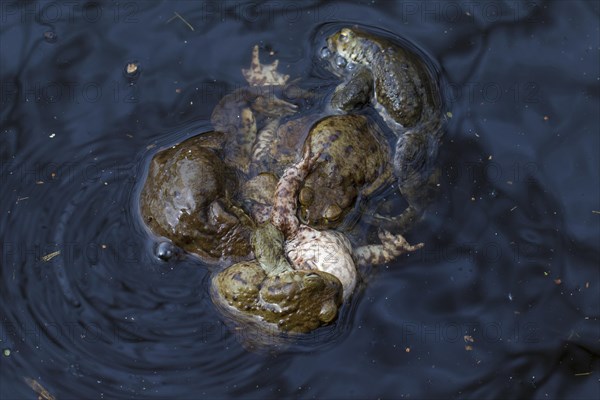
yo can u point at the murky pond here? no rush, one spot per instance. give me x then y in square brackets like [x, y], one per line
[503, 300]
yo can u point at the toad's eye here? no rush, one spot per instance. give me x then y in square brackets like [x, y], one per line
[307, 196]
[332, 213]
[344, 35]
[314, 280]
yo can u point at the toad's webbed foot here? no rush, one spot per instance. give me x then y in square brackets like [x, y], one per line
[263, 74]
[271, 106]
[391, 247]
[396, 223]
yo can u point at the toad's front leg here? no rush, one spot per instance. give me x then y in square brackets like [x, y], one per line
[355, 92]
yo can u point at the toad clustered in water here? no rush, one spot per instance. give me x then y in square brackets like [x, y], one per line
[271, 196]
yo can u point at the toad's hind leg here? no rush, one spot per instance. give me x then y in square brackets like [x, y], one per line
[419, 199]
[415, 163]
[285, 205]
[391, 247]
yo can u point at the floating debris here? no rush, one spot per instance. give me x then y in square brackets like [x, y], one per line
[39, 389]
[131, 68]
[50, 36]
[177, 15]
[468, 339]
[50, 256]
[132, 71]
[6, 352]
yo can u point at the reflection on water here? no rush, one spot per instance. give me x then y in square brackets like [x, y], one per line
[502, 300]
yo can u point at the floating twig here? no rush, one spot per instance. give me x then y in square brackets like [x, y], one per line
[39, 389]
[50, 256]
[177, 15]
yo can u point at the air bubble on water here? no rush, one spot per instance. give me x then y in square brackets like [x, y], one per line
[166, 251]
[340, 61]
[325, 53]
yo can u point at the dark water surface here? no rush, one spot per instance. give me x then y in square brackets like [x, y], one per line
[504, 300]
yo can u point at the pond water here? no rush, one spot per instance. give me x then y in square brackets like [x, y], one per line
[504, 299]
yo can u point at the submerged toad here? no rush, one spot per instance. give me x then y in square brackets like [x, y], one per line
[251, 114]
[403, 90]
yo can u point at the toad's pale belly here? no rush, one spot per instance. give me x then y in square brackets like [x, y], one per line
[328, 251]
